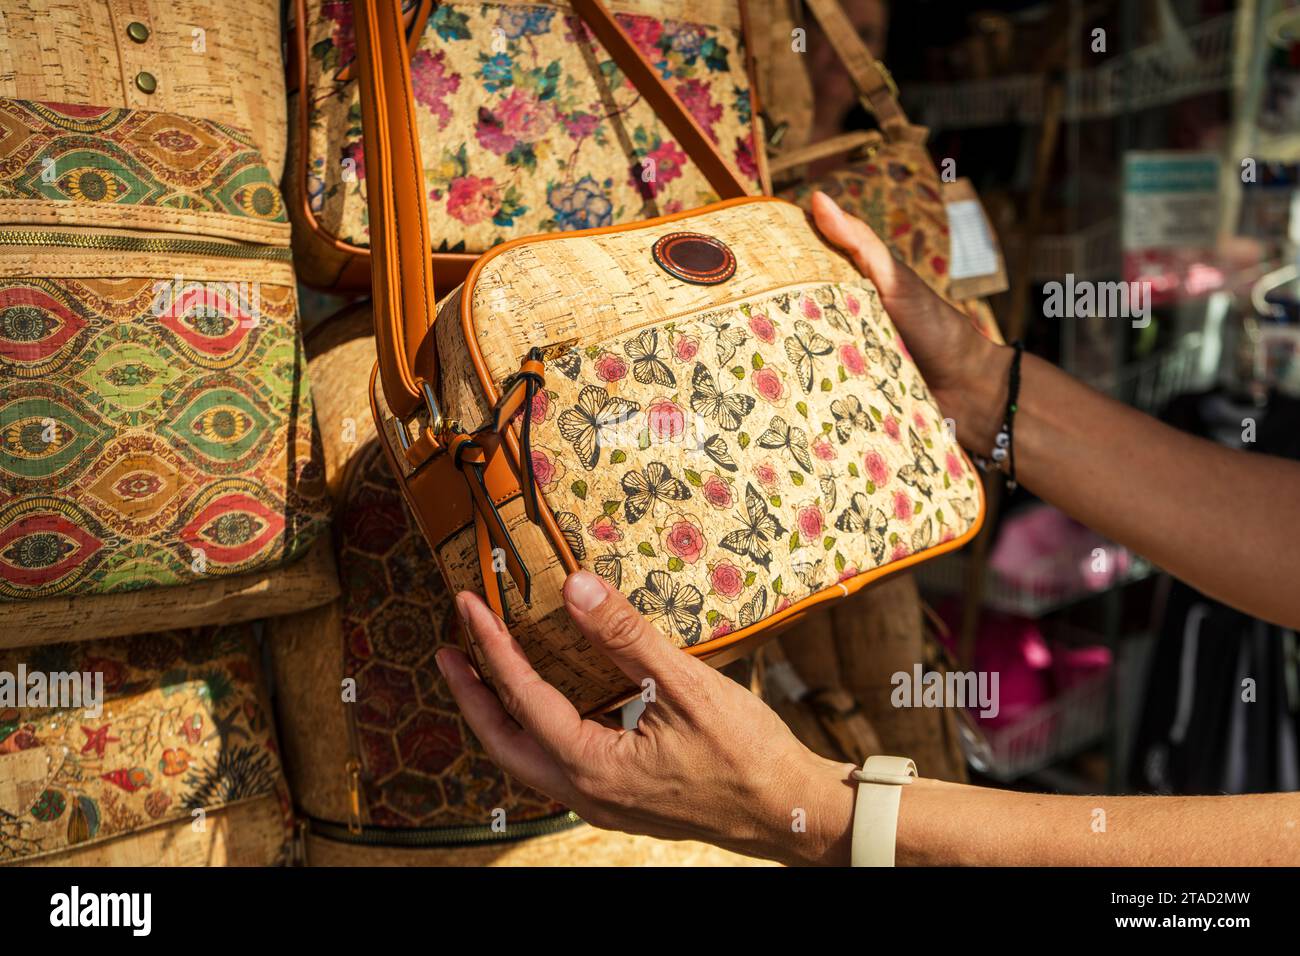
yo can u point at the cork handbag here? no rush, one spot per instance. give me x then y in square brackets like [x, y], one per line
[155, 421]
[176, 766]
[158, 462]
[524, 124]
[709, 409]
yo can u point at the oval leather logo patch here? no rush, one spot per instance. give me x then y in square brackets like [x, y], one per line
[694, 257]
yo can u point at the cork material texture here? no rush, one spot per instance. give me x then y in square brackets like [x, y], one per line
[526, 126]
[720, 453]
[156, 425]
[218, 60]
[580, 846]
[183, 726]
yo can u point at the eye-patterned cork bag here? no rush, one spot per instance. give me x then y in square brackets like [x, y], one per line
[711, 410]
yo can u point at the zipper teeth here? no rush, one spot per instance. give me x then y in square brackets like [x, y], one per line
[200, 247]
[436, 837]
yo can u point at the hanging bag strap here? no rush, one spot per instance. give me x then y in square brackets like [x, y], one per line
[401, 251]
[870, 77]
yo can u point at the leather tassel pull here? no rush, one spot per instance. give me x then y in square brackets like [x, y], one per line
[519, 391]
[470, 459]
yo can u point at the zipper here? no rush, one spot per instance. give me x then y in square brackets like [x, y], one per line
[116, 243]
[353, 769]
[440, 837]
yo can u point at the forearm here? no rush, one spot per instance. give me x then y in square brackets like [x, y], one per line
[950, 824]
[1224, 521]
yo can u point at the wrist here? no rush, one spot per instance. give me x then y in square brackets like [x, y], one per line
[982, 397]
[829, 798]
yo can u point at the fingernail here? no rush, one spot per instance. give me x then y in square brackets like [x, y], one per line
[584, 591]
[462, 610]
[437, 659]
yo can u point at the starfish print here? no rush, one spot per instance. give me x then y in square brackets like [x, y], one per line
[97, 740]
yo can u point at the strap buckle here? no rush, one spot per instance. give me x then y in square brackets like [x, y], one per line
[437, 424]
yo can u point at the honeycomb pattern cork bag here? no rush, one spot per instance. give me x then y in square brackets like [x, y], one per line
[709, 409]
[525, 125]
[155, 422]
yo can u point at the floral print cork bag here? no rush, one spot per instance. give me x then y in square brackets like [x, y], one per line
[709, 409]
[524, 121]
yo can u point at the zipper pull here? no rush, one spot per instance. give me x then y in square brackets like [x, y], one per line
[354, 797]
[548, 352]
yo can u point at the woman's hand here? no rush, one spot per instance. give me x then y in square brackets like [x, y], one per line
[707, 761]
[965, 372]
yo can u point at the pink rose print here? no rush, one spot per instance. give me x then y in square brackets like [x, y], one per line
[852, 359]
[683, 538]
[766, 476]
[947, 535]
[810, 522]
[697, 98]
[824, 449]
[727, 580]
[580, 125]
[541, 407]
[605, 529]
[810, 309]
[610, 368]
[877, 470]
[724, 627]
[782, 604]
[902, 507]
[849, 572]
[762, 328]
[768, 385]
[645, 33]
[432, 84]
[854, 305]
[666, 161]
[524, 117]
[953, 464]
[919, 421]
[472, 199]
[546, 470]
[686, 348]
[900, 552]
[667, 420]
[717, 492]
[891, 428]
[489, 134]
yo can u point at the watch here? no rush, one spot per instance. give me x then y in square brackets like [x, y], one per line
[875, 815]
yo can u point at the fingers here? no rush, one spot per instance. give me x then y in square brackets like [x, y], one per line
[506, 743]
[539, 708]
[610, 623]
[868, 252]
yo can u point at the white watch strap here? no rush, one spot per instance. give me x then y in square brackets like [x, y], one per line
[875, 816]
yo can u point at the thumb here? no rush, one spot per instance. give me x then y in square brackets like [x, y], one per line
[865, 248]
[616, 628]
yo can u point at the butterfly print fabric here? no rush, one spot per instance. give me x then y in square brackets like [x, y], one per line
[721, 467]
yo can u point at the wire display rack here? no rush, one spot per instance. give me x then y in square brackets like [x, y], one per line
[1029, 596]
[1151, 383]
[1069, 723]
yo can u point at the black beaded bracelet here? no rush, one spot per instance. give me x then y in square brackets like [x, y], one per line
[1004, 447]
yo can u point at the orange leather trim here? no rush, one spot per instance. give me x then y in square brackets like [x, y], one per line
[560, 545]
[449, 268]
